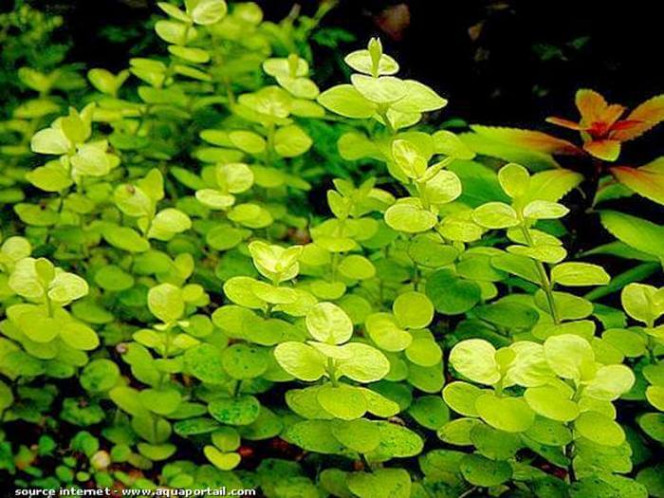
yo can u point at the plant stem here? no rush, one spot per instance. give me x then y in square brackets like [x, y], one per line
[545, 283]
[331, 372]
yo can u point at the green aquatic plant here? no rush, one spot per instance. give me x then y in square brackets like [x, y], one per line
[177, 312]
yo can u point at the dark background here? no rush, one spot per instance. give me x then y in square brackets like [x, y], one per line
[497, 61]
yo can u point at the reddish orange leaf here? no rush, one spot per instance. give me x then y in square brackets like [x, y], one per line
[647, 180]
[625, 124]
[607, 150]
[529, 139]
[648, 115]
[591, 105]
[612, 113]
[565, 123]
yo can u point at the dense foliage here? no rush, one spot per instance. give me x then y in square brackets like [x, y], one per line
[179, 310]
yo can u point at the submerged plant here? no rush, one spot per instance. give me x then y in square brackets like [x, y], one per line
[175, 314]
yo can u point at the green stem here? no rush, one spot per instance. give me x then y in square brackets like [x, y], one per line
[570, 470]
[652, 344]
[388, 123]
[49, 306]
[331, 371]
[269, 149]
[468, 492]
[545, 283]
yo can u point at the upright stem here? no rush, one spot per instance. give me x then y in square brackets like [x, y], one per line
[331, 372]
[545, 283]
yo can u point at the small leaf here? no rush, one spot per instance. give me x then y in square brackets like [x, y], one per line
[242, 410]
[223, 461]
[413, 310]
[166, 303]
[50, 141]
[599, 428]
[642, 302]
[409, 218]
[291, 141]
[383, 483]
[505, 414]
[344, 402]
[347, 101]
[481, 471]
[450, 294]
[326, 322]
[475, 359]
[579, 274]
[610, 382]
[550, 402]
[300, 360]
[544, 210]
[206, 12]
[67, 287]
[607, 150]
[495, 215]
[514, 179]
[362, 363]
[569, 356]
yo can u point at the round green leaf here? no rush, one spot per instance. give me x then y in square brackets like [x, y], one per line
[450, 294]
[161, 401]
[242, 361]
[444, 187]
[461, 397]
[430, 412]
[424, 352]
[549, 402]
[326, 322]
[67, 287]
[300, 360]
[344, 402]
[409, 218]
[242, 410]
[166, 303]
[385, 332]
[79, 336]
[599, 428]
[356, 267]
[204, 363]
[480, 471]
[569, 356]
[359, 435]
[223, 461]
[573, 274]
[457, 431]
[413, 310]
[383, 483]
[100, 375]
[495, 215]
[514, 179]
[493, 443]
[505, 414]
[655, 396]
[610, 382]
[113, 278]
[6, 397]
[291, 141]
[347, 101]
[362, 363]
[475, 359]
